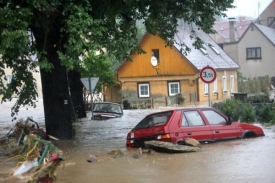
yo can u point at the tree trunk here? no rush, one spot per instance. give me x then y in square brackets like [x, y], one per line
[58, 109]
[76, 89]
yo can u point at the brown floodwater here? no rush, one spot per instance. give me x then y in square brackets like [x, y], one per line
[243, 160]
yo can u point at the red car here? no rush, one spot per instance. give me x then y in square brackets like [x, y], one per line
[203, 124]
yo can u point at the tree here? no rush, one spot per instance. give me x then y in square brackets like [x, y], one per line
[57, 32]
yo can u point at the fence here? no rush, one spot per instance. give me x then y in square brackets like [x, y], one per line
[154, 102]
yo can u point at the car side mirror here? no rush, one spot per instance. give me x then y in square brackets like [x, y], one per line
[229, 120]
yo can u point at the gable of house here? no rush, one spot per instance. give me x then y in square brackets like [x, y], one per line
[267, 17]
[256, 51]
[171, 61]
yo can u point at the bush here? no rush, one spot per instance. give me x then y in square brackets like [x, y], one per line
[230, 107]
[248, 114]
[236, 109]
[267, 114]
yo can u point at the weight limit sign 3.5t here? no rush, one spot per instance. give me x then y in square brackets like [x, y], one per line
[208, 74]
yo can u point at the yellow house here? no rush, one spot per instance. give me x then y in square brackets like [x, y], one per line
[176, 73]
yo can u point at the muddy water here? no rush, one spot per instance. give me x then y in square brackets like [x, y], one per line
[244, 161]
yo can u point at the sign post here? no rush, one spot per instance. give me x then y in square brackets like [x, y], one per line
[90, 84]
[208, 75]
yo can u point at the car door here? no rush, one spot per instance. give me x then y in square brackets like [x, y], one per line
[217, 123]
[193, 126]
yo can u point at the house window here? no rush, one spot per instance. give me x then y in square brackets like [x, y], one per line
[224, 84]
[214, 49]
[205, 88]
[155, 53]
[174, 88]
[253, 53]
[9, 78]
[203, 50]
[143, 90]
[215, 87]
[232, 83]
[271, 22]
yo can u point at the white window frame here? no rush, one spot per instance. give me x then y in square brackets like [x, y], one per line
[9, 79]
[232, 83]
[178, 87]
[224, 84]
[215, 87]
[205, 89]
[141, 95]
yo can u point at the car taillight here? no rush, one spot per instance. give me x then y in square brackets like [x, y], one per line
[165, 137]
[130, 143]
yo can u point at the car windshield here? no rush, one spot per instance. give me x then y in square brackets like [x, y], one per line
[154, 120]
[107, 107]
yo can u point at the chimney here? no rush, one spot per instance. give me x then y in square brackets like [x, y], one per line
[232, 37]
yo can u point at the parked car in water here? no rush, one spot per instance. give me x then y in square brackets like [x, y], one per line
[203, 124]
[106, 110]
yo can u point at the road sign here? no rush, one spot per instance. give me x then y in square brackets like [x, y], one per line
[208, 74]
[90, 86]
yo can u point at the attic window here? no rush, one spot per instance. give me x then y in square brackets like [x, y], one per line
[203, 50]
[214, 49]
[155, 53]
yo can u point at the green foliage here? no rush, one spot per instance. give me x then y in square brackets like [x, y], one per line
[267, 114]
[98, 65]
[248, 114]
[253, 85]
[236, 109]
[229, 107]
[264, 98]
[68, 29]
[180, 98]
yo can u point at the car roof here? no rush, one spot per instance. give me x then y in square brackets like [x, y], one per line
[185, 108]
[106, 103]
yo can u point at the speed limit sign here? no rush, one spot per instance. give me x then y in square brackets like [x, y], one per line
[208, 74]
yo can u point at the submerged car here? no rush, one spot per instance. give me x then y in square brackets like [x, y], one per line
[204, 124]
[106, 110]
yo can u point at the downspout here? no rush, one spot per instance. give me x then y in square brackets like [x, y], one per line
[197, 86]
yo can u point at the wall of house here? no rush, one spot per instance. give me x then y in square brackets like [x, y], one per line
[232, 50]
[171, 62]
[220, 95]
[268, 12]
[256, 67]
[158, 85]
[112, 94]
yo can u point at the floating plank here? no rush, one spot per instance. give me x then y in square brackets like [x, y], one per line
[169, 147]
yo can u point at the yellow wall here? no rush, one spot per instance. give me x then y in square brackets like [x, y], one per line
[171, 61]
[221, 95]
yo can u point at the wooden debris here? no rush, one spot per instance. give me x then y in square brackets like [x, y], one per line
[138, 153]
[192, 142]
[169, 147]
[116, 153]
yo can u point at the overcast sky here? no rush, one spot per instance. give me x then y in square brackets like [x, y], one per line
[248, 8]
